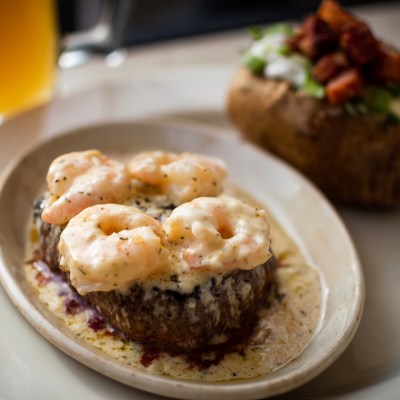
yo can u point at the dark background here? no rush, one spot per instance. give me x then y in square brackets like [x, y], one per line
[153, 20]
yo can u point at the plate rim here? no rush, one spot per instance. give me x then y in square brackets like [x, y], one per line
[184, 388]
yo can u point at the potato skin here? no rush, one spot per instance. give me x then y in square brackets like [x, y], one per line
[353, 159]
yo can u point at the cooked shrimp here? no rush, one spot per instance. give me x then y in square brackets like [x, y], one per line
[182, 177]
[109, 246]
[81, 179]
[219, 234]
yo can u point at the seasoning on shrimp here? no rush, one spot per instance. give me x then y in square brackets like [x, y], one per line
[219, 234]
[109, 246]
[81, 179]
[182, 177]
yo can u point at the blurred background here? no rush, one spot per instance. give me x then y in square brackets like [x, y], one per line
[143, 21]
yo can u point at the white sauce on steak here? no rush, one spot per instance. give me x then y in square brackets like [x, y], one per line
[284, 329]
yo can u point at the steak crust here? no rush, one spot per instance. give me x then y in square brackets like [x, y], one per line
[212, 314]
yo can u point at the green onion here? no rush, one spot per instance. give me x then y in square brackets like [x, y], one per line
[255, 64]
[284, 50]
[277, 29]
[255, 32]
[282, 29]
[377, 99]
[313, 88]
[302, 60]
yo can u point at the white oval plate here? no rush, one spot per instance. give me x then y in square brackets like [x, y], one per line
[301, 210]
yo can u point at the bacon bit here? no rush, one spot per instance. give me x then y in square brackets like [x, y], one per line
[334, 15]
[292, 42]
[148, 357]
[386, 69]
[344, 51]
[315, 38]
[329, 67]
[359, 43]
[344, 87]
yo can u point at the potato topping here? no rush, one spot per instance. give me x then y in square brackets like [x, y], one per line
[332, 55]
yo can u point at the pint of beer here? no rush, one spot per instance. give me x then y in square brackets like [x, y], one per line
[28, 48]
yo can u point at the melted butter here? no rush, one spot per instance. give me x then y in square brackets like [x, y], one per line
[284, 329]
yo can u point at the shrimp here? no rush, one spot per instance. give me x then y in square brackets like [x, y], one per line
[182, 177]
[81, 179]
[219, 234]
[109, 246]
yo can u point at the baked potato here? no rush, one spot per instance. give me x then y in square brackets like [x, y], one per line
[353, 159]
[337, 123]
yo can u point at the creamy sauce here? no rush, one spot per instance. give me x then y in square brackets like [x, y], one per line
[110, 246]
[220, 234]
[181, 176]
[284, 329]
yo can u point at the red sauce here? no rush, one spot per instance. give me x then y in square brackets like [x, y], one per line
[72, 306]
[96, 323]
[148, 357]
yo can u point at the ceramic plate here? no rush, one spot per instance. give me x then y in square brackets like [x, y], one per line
[301, 210]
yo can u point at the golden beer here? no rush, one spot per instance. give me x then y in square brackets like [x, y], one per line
[28, 48]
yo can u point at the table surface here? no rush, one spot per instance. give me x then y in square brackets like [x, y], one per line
[371, 365]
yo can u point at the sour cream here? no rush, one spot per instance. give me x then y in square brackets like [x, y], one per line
[286, 68]
[291, 68]
[268, 46]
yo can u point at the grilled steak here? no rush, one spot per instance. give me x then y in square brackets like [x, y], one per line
[213, 313]
[219, 311]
